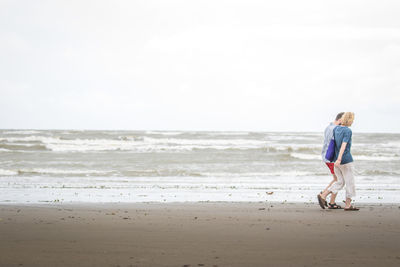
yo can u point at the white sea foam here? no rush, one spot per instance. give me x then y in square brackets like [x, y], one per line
[358, 157]
[390, 144]
[22, 132]
[163, 132]
[376, 158]
[34, 138]
[205, 142]
[306, 156]
[7, 172]
[139, 144]
[226, 133]
[261, 174]
[284, 137]
[295, 147]
[61, 171]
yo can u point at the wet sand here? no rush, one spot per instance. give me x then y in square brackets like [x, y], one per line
[198, 234]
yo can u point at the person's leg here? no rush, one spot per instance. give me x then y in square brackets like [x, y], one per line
[335, 187]
[331, 183]
[331, 167]
[350, 185]
[347, 203]
[333, 198]
[326, 192]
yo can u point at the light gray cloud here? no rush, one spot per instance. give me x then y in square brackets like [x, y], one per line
[199, 65]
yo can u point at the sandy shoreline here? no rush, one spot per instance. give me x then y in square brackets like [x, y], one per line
[198, 234]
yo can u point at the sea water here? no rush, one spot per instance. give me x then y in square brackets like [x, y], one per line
[47, 166]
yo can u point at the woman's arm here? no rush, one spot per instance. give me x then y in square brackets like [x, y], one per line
[339, 159]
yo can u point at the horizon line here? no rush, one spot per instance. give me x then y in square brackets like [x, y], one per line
[177, 130]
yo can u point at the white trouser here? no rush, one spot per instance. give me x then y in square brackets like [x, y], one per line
[345, 176]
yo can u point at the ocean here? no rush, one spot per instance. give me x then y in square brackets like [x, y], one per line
[47, 166]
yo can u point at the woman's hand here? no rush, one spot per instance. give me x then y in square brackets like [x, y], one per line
[339, 159]
[337, 162]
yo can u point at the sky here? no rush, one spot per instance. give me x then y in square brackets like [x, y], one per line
[199, 65]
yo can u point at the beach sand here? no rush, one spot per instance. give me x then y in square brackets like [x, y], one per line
[198, 234]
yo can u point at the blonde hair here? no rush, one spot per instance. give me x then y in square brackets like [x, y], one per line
[348, 118]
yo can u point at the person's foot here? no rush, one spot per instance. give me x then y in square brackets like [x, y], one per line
[326, 202]
[351, 208]
[321, 201]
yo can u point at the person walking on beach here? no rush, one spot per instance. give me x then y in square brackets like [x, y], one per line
[328, 134]
[343, 166]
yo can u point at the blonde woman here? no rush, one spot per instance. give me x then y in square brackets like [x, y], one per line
[343, 164]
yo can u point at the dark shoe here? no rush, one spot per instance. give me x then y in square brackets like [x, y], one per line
[351, 208]
[326, 202]
[321, 201]
[334, 206]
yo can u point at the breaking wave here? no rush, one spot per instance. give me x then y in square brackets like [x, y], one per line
[23, 147]
[7, 172]
[50, 171]
[146, 144]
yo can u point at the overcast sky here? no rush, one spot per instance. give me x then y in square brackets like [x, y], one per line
[199, 65]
